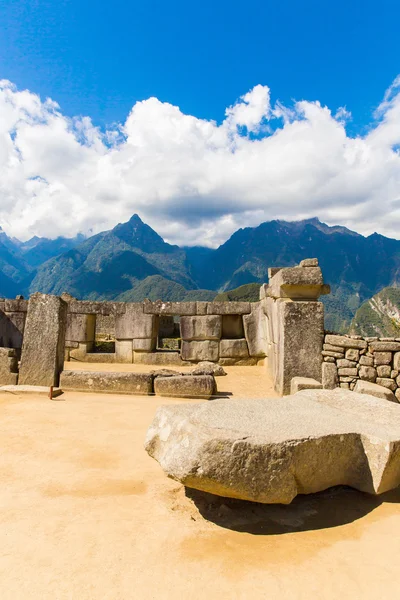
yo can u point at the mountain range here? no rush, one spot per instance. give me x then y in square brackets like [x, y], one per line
[132, 261]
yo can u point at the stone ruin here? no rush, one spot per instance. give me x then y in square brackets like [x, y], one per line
[285, 329]
[266, 450]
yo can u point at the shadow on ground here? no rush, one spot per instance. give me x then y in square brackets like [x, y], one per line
[330, 508]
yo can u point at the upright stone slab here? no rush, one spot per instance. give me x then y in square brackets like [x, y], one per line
[299, 342]
[42, 357]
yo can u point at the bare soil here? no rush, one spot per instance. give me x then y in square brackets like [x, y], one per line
[85, 514]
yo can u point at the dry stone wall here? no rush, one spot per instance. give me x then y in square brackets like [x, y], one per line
[224, 332]
[349, 360]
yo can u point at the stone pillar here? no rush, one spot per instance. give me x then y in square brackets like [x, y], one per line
[295, 323]
[42, 357]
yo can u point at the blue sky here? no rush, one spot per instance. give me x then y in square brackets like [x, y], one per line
[200, 116]
[98, 58]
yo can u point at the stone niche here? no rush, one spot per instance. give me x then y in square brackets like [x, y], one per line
[232, 327]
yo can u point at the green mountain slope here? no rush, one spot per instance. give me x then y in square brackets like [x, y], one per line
[379, 316]
[111, 263]
[246, 293]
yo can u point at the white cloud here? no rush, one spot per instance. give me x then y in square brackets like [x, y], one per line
[193, 180]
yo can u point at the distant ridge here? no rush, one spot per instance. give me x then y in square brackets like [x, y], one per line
[132, 259]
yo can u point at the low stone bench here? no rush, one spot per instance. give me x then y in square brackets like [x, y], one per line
[186, 386]
[142, 384]
[112, 383]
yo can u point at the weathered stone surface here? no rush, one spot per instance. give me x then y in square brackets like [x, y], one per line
[144, 345]
[271, 450]
[207, 327]
[343, 362]
[134, 323]
[80, 328]
[42, 356]
[331, 348]
[100, 357]
[297, 283]
[263, 291]
[12, 327]
[233, 349]
[329, 376]
[367, 373]
[344, 342]
[298, 336]
[309, 262]
[382, 358]
[8, 377]
[232, 326]
[82, 351]
[304, 383]
[166, 373]
[394, 374]
[344, 386]
[8, 353]
[96, 308]
[387, 383]
[348, 372]
[108, 382]
[332, 354]
[198, 351]
[384, 370]
[373, 389]
[255, 330]
[353, 354]
[169, 308]
[17, 305]
[185, 386]
[201, 308]
[123, 351]
[366, 361]
[209, 368]
[385, 346]
[159, 359]
[396, 361]
[273, 271]
[228, 308]
[329, 359]
[346, 379]
[69, 344]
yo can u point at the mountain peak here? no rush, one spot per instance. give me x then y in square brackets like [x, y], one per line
[135, 219]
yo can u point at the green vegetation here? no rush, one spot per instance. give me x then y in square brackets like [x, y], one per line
[248, 293]
[379, 316]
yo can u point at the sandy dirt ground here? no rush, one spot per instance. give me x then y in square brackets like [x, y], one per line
[85, 514]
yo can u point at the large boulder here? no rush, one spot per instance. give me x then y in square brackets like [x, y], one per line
[270, 450]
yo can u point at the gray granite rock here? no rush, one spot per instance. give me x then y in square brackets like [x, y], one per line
[270, 450]
[42, 357]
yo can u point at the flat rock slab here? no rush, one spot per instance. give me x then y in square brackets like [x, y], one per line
[186, 386]
[270, 450]
[39, 390]
[107, 382]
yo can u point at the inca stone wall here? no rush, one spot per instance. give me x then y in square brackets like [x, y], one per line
[285, 329]
[351, 360]
[224, 332]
